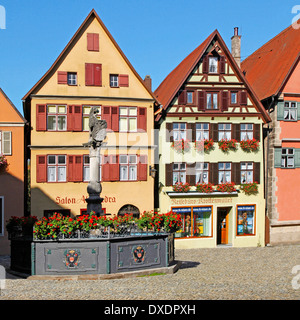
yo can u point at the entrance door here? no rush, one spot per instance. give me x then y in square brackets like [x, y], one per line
[222, 227]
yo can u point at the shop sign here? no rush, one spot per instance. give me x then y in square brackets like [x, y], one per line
[200, 201]
[68, 200]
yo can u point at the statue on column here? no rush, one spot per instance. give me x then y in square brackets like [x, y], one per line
[97, 134]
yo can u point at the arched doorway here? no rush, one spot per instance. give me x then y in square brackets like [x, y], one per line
[128, 209]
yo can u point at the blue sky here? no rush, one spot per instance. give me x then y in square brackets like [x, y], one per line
[155, 35]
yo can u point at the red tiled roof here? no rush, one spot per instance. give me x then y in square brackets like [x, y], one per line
[269, 66]
[172, 83]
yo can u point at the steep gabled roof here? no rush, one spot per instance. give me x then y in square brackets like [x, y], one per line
[71, 43]
[268, 68]
[168, 89]
[12, 105]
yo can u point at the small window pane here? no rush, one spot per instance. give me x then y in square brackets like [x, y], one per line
[61, 174]
[132, 111]
[123, 124]
[123, 111]
[51, 174]
[132, 124]
[61, 159]
[51, 109]
[51, 122]
[123, 159]
[61, 122]
[51, 160]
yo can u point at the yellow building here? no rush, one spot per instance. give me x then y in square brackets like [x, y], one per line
[91, 71]
[207, 106]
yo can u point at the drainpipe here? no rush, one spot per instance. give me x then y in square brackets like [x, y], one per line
[267, 169]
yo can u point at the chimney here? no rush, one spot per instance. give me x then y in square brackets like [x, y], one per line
[148, 82]
[236, 46]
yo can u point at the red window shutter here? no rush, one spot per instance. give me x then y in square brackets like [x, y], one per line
[97, 74]
[115, 119]
[222, 64]
[78, 168]
[41, 168]
[41, 117]
[142, 119]
[89, 74]
[182, 97]
[106, 115]
[169, 174]
[114, 171]
[256, 131]
[105, 169]
[225, 100]
[71, 168]
[256, 173]
[123, 80]
[93, 42]
[142, 168]
[70, 119]
[62, 77]
[201, 100]
[243, 96]
[77, 116]
[205, 65]
[96, 42]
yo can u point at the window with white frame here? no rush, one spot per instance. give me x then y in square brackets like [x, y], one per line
[246, 131]
[72, 78]
[201, 172]
[213, 65]
[190, 97]
[5, 143]
[202, 131]
[86, 168]
[287, 158]
[114, 80]
[246, 172]
[56, 168]
[56, 117]
[179, 131]
[86, 114]
[212, 100]
[128, 119]
[233, 97]
[224, 131]
[290, 111]
[179, 173]
[128, 167]
[224, 172]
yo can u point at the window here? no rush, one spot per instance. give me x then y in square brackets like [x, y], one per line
[224, 172]
[128, 167]
[86, 168]
[5, 143]
[179, 131]
[233, 97]
[246, 172]
[114, 80]
[190, 97]
[85, 116]
[212, 100]
[287, 158]
[224, 131]
[196, 222]
[179, 173]
[201, 172]
[245, 220]
[246, 131]
[56, 168]
[72, 78]
[213, 65]
[202, 131]
[56, 118]
[290, 111]
[128, 119]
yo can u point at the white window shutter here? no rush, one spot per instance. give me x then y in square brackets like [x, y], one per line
[6, 143]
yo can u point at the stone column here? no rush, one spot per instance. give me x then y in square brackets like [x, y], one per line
[94, 202]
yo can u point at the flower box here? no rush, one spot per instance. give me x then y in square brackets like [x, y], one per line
[204, 187]
[181, 146]
[250, 145]
[204, 145]
[226, 187]
[228, 145]
[181, 187]
[250, 188]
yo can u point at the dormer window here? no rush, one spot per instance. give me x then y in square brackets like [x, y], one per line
[213, 65]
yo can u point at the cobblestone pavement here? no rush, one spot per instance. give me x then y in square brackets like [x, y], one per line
[208, 274]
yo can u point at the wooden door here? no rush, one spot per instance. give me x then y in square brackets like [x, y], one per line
[224, 228]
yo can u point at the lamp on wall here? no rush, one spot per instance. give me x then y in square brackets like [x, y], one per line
[152, 171]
